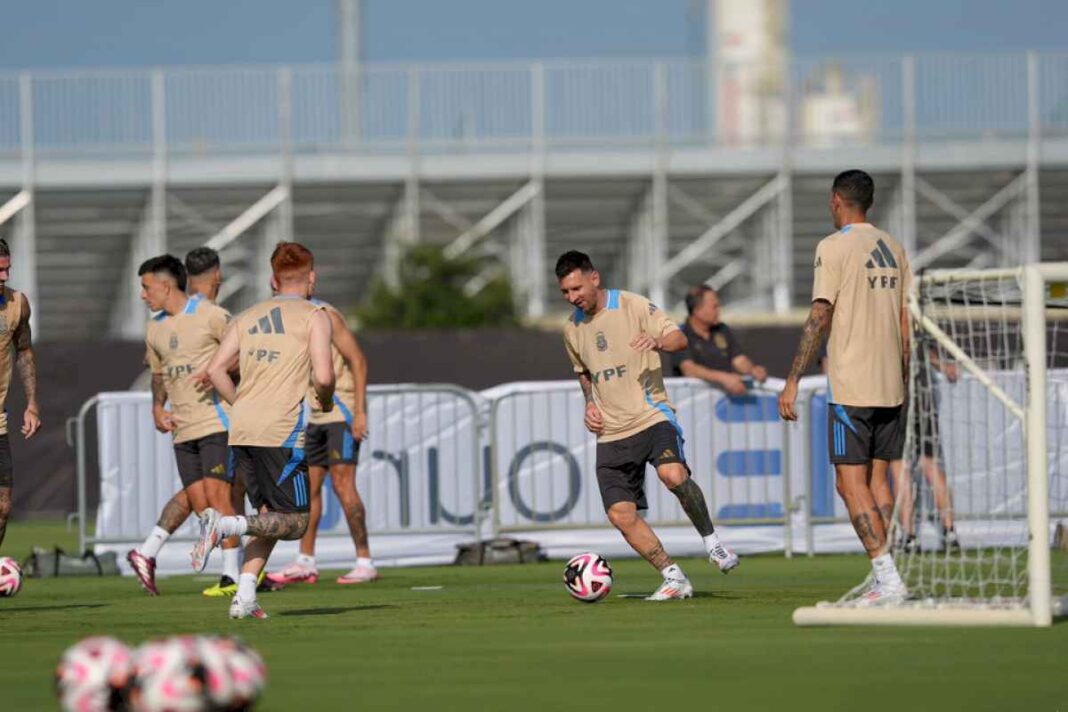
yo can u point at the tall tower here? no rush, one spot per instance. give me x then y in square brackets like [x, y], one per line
[747, 68]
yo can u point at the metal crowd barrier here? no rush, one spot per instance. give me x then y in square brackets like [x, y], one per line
[443, 459]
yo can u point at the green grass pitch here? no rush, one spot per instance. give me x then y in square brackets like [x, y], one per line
[510, 638]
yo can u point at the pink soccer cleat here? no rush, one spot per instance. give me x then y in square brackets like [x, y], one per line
[360, 574]
[144, 569]
[295, 573]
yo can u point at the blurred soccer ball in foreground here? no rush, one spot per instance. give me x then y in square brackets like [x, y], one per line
[93, 675]
[588, 577]
[10, 576]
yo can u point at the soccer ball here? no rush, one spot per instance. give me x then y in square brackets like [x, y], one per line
[10, 577]
[169, 677]
[93, 675]
[588, 577]
[234, 674]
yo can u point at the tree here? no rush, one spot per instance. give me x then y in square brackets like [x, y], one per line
[431, 294]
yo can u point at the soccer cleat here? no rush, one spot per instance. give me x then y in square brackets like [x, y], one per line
[911, 545]
[882, 594]
[295, 573]
[360, 574]
[246, 609]
[951, 542]
[266, 585]
[672, 589]
[144, 569]
[226, 586]
[724, 558]
[209, 539]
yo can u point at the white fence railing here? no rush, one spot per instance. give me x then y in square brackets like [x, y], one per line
[515, 106]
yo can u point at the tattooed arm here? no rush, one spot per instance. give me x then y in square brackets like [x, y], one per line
[816, 327]
[27, 365]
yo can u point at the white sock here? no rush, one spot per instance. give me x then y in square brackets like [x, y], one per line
[233, 526]
[231, 563]
[154, 542]
[673, 573]
[885, 570]
[306, 561]
[712, 542]
[368, 562]
[246, 587]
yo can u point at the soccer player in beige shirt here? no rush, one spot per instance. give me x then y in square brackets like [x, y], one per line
[613, 339]
[180, 340]
[862, 277]
[278, 343]
[15, 350]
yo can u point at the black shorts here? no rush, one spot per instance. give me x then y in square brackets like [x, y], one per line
[621, 463]
[275, 477]
[6, 471]
[208, 456]
[330, 444]
[856, 436]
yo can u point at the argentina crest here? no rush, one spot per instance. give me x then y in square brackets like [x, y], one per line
[173, 342]
[602, 341]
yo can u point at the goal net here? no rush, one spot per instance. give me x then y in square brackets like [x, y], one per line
[980, 529]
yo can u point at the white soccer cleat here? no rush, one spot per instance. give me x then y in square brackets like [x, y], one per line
[209, 539]
[360, 574]
[672, 589]
[246, 609]
[882, 594]
[724, 558]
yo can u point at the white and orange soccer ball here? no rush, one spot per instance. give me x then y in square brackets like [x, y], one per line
[10, 577]
[93, 675]
[588, 577]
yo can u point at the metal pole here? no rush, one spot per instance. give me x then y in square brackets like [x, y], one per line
[350, 26]
[534, 211]
[1033, 241]
[908, 156]
[659, 250]
[1038, 558]
[285, 141]
[25, 248]
[158, 215]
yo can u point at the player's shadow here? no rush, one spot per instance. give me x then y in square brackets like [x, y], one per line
[67, 606]
[720, 596]
[336, 611]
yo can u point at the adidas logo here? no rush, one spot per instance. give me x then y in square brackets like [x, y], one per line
[218, 470]
[271, 324]
[881, 256]
[666, 454]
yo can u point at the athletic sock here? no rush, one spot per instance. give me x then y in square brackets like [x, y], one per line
[673, 573]
[306, 561]
[233, 526]
[885, 570]
[231, 559]
[246, 587]
[712, 542]
[154, 542]
[368, 562]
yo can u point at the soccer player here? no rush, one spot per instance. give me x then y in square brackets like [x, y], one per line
[713, 353]
[613, 339]
[179, 341]
[925, 431]
[15, 346]
[278, 342]
[332, 441]
[861, 278]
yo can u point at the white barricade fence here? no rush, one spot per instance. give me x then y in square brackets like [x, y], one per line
[444, 465]
[417, 475]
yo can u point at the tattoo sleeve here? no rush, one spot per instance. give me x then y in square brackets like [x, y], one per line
[587, 387]
[174, 513]
[278, 525]
[658, 557]
[693, 503]
[816, 327]
[25, 359]
[159, 390]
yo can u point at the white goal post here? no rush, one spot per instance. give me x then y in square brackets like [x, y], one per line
[988, 436]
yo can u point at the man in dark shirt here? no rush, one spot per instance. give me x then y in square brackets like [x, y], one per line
[713, 353]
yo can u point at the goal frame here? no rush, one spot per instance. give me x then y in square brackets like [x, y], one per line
[1039, 609]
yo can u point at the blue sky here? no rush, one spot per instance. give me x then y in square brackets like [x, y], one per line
[89, 33]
